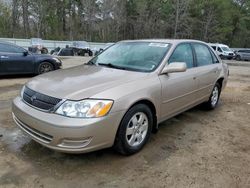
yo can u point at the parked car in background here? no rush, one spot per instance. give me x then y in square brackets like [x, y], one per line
[78, 48]
[120, 96]
[67, 51]
[107, 45]
[55, 51]
[17, 60]
[222, 50]
[37, 46]
[242, 55]
[81, 48]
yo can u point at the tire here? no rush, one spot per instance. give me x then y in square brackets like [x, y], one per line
[44, 51]
[214, 97]
[238, 58]
[221, 56]
[90, 53]
[133, 134]
[45, 67]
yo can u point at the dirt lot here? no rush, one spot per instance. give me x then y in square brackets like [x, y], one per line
[195, 149]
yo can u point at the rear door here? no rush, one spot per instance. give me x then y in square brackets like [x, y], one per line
[14, 61]
[178, 89]
[208, 69]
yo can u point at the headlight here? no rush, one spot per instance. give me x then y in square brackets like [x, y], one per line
[57, 60]
[85, 108]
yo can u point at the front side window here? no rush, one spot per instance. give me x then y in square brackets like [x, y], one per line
[219, 49]
[135, 56]
[7, 48]
[203, 55]
[215, 59]
[183, 53]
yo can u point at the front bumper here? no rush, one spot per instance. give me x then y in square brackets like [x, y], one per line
[228, 56]
[70, 135]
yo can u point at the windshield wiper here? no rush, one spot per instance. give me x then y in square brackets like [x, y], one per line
[112, 66]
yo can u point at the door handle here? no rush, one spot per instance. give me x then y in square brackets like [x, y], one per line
[4, 57]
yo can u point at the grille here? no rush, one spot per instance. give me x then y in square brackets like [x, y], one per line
[39, 100]
[231, 54]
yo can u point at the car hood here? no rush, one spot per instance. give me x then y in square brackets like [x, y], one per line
[81, 82]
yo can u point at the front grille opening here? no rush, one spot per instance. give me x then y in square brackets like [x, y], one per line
[39, 100]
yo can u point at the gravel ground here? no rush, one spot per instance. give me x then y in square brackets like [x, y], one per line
[195, 149]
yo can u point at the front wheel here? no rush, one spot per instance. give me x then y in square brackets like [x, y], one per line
[134, 130]
[214, 97]
[238, 58]
[45, 67]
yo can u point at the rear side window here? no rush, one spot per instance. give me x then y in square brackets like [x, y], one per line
[183, 53]
[244, 51]
[7, 48]
[203, 55]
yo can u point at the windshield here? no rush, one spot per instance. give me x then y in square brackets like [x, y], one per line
[135, 56]
[226, 49]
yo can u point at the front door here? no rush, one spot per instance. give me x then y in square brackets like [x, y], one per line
[179, 89]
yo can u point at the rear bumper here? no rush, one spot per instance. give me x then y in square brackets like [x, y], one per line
[70, 135]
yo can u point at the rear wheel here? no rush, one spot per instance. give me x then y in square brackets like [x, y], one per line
[214, 97]
[134, 130]
[90, 53]
[45, 67]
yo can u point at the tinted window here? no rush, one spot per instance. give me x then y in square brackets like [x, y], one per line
[219, 49]
[203, 55]
[214, 47]
[7, 48]
[244, 51]
[183, 53]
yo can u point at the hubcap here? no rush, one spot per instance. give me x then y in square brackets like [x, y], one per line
[46, 68]
[137, 129]
[215, 96]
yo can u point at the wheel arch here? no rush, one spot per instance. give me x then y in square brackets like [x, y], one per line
[44, 61]
[220, 81]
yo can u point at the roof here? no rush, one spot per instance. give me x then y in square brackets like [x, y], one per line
[171, 41]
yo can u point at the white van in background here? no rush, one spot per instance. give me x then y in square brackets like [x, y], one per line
[222, 50]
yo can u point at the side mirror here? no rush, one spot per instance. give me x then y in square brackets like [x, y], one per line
[174, 67]
[25, 53]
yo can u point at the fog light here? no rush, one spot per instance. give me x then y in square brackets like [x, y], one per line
[75, 143]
